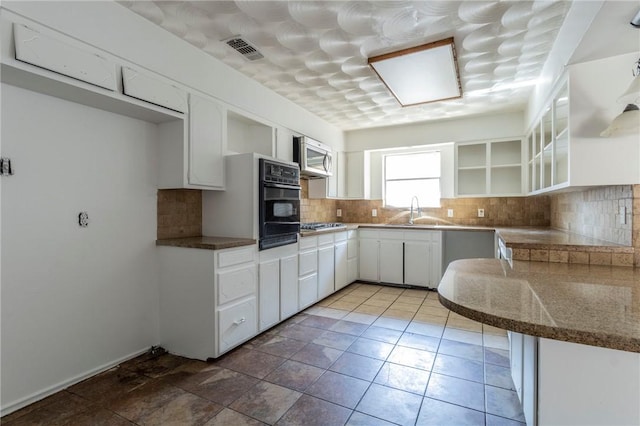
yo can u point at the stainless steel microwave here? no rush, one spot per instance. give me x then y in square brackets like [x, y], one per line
[315, 158]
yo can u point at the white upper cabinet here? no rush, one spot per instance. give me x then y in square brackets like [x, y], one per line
[45, 61]
[152, 89]
[63, 57]
[548, 145]
[191, 152]
[490, 168]
[247, 133]
[207, 142]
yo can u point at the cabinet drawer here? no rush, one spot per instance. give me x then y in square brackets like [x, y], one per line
[392, 235]
[63, 57]
[324, 240]
[369, 233]
[307, 262]
[340, 236]
[418, 235]
[236, 324]
[232, 257]
[235, 284]
[308, 242]
[153, 90]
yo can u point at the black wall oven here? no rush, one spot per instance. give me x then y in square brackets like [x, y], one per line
[279, 207]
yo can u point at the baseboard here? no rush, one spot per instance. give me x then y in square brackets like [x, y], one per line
[23, 402]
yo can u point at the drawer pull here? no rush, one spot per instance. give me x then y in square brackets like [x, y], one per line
[239, 321]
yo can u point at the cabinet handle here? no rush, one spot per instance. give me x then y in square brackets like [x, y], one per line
[239, 321]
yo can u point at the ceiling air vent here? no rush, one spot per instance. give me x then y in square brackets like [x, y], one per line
[244, 48]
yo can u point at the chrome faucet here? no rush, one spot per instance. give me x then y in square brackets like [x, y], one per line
[418, 208]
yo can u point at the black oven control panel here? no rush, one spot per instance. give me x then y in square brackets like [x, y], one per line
[274, 172]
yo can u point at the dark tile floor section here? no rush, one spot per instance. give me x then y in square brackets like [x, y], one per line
[367, 355]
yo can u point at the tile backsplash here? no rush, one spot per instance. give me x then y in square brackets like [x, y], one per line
[593, 212]
[596, 212]
[179, 213]
[498, 211]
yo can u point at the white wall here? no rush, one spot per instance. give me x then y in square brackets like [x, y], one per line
[74, 299]
[594, 89]
[115, 29]
[466, 129]
[479, 128]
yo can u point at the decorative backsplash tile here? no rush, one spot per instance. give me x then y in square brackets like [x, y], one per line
[498, 211]
[179, 213]
[596, 212]
[593, 212]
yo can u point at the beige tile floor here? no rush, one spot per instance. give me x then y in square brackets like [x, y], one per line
[367, 355]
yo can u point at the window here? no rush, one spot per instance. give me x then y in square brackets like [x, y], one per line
[406, 175]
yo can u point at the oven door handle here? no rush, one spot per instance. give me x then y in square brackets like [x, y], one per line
[283, 223]
[281, 186]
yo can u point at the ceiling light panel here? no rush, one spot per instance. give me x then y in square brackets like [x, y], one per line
[419, 75]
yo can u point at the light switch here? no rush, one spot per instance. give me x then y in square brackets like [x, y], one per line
[449, 212]
[339, 212]
[374, 212]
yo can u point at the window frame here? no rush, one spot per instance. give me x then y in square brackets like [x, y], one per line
[385, 180]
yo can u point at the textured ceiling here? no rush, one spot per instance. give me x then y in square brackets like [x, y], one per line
[315, 52]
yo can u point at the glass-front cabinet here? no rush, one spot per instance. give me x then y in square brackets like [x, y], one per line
[548, 145]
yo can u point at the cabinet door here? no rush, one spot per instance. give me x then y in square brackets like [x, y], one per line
[416, 263]
[369, 260]
[76, 60]
[207, 140]
[269, 293]
[516, 341]
[529, 378]
[284, 144]
[326, 271]
[355, 168]
[352, 270]
[391, 262]
[288, 286]
[308, 290]
[341, 275]
[435, 260]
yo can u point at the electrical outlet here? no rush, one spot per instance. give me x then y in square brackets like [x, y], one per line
[449, 212]
[374, 212]
[480, 212]
[339, 212]
[622, 212]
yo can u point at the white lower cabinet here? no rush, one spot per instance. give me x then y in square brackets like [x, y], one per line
[236, 324]
[308, 271]
[269, 291]
[391, 257]
[341, 260]
[352, 256]
[289, 297]
[326, 266]
[278, 285]
[564, 383]
[423, 258]
[208, 299]
[368, 255]
[523, 351]
[411, 257]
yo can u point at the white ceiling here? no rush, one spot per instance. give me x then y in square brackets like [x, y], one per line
[315, 52]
